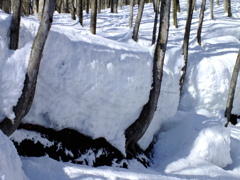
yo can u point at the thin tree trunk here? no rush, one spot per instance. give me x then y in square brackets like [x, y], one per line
[114, 6]
[138, 21]
[200, 23]
[87, 6]
[99, 6]
[186, 42]
[157, 3]
[35, 6]
[72, 9]
[26, 7]
[178, 6]
[211, 9]
[232, 88]
[93, 22]
[6, 5]
[80, 11]
[134, 132]
[229, 10]
[24, 103]
[174, 12]
[131, 13]
[15, 25]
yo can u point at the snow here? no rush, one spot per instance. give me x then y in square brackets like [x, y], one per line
[97, 84]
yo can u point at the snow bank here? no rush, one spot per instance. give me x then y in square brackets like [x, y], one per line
[10, 163]
[91, 84]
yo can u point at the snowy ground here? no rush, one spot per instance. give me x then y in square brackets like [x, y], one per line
[89, 82]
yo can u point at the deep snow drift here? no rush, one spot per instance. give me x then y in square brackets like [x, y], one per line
[98, 84]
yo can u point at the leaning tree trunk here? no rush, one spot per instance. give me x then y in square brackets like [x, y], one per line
[138, 21]
[157, 3]
[131, 13]
[24, 103]
[186, 42]
[134, 132]
[15, 25]
[93, 22]
[232, 88]
[200, 23]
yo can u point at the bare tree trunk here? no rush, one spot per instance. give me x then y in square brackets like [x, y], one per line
[157, 3]
[72, 9]
[138, 21]
[232, 88]
[80, 11]
[114, 6]
[15, 25]
[201, 17]
[174, 12]
[26, 7]
[93, 22]
[99, 5]
[229, 10]
[6, 5]
[40, 8]
[35, 6]
[211, 9]
[186, 42]
[24, 103]
[134, 132]
[87, 6]
[131, 13]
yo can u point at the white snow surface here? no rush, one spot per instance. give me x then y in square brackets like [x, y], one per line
[98, 84]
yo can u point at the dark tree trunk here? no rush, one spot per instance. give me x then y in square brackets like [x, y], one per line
[26, 7]
[186, 42]
[178, 6]
[87, 6]
[232, 88]
[138, 21]
[114, 6]
[80, 12]
[229, 10]
[24, 103]
[134, 132]
[131, 13]
[157, 3]
[201, 17]
[15, 25]
[93, 22]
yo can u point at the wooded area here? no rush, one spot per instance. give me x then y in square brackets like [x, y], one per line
[45, 10]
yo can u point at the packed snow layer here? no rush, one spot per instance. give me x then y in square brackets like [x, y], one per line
[10, 163]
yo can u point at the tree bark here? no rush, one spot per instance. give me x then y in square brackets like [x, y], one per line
[93, 22]
[15, 25]
[211, 9]
[72, 9]
[232, 88]
[229, 10]
[26, 7]
[114, 6]
[80, 11]
[200, 23]
[131, 13]
[6, 5]
[40, 9]
[134, 132]
[24, 103]
[157, 3]
[174, 12]
[138, 21]
[186, 42]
